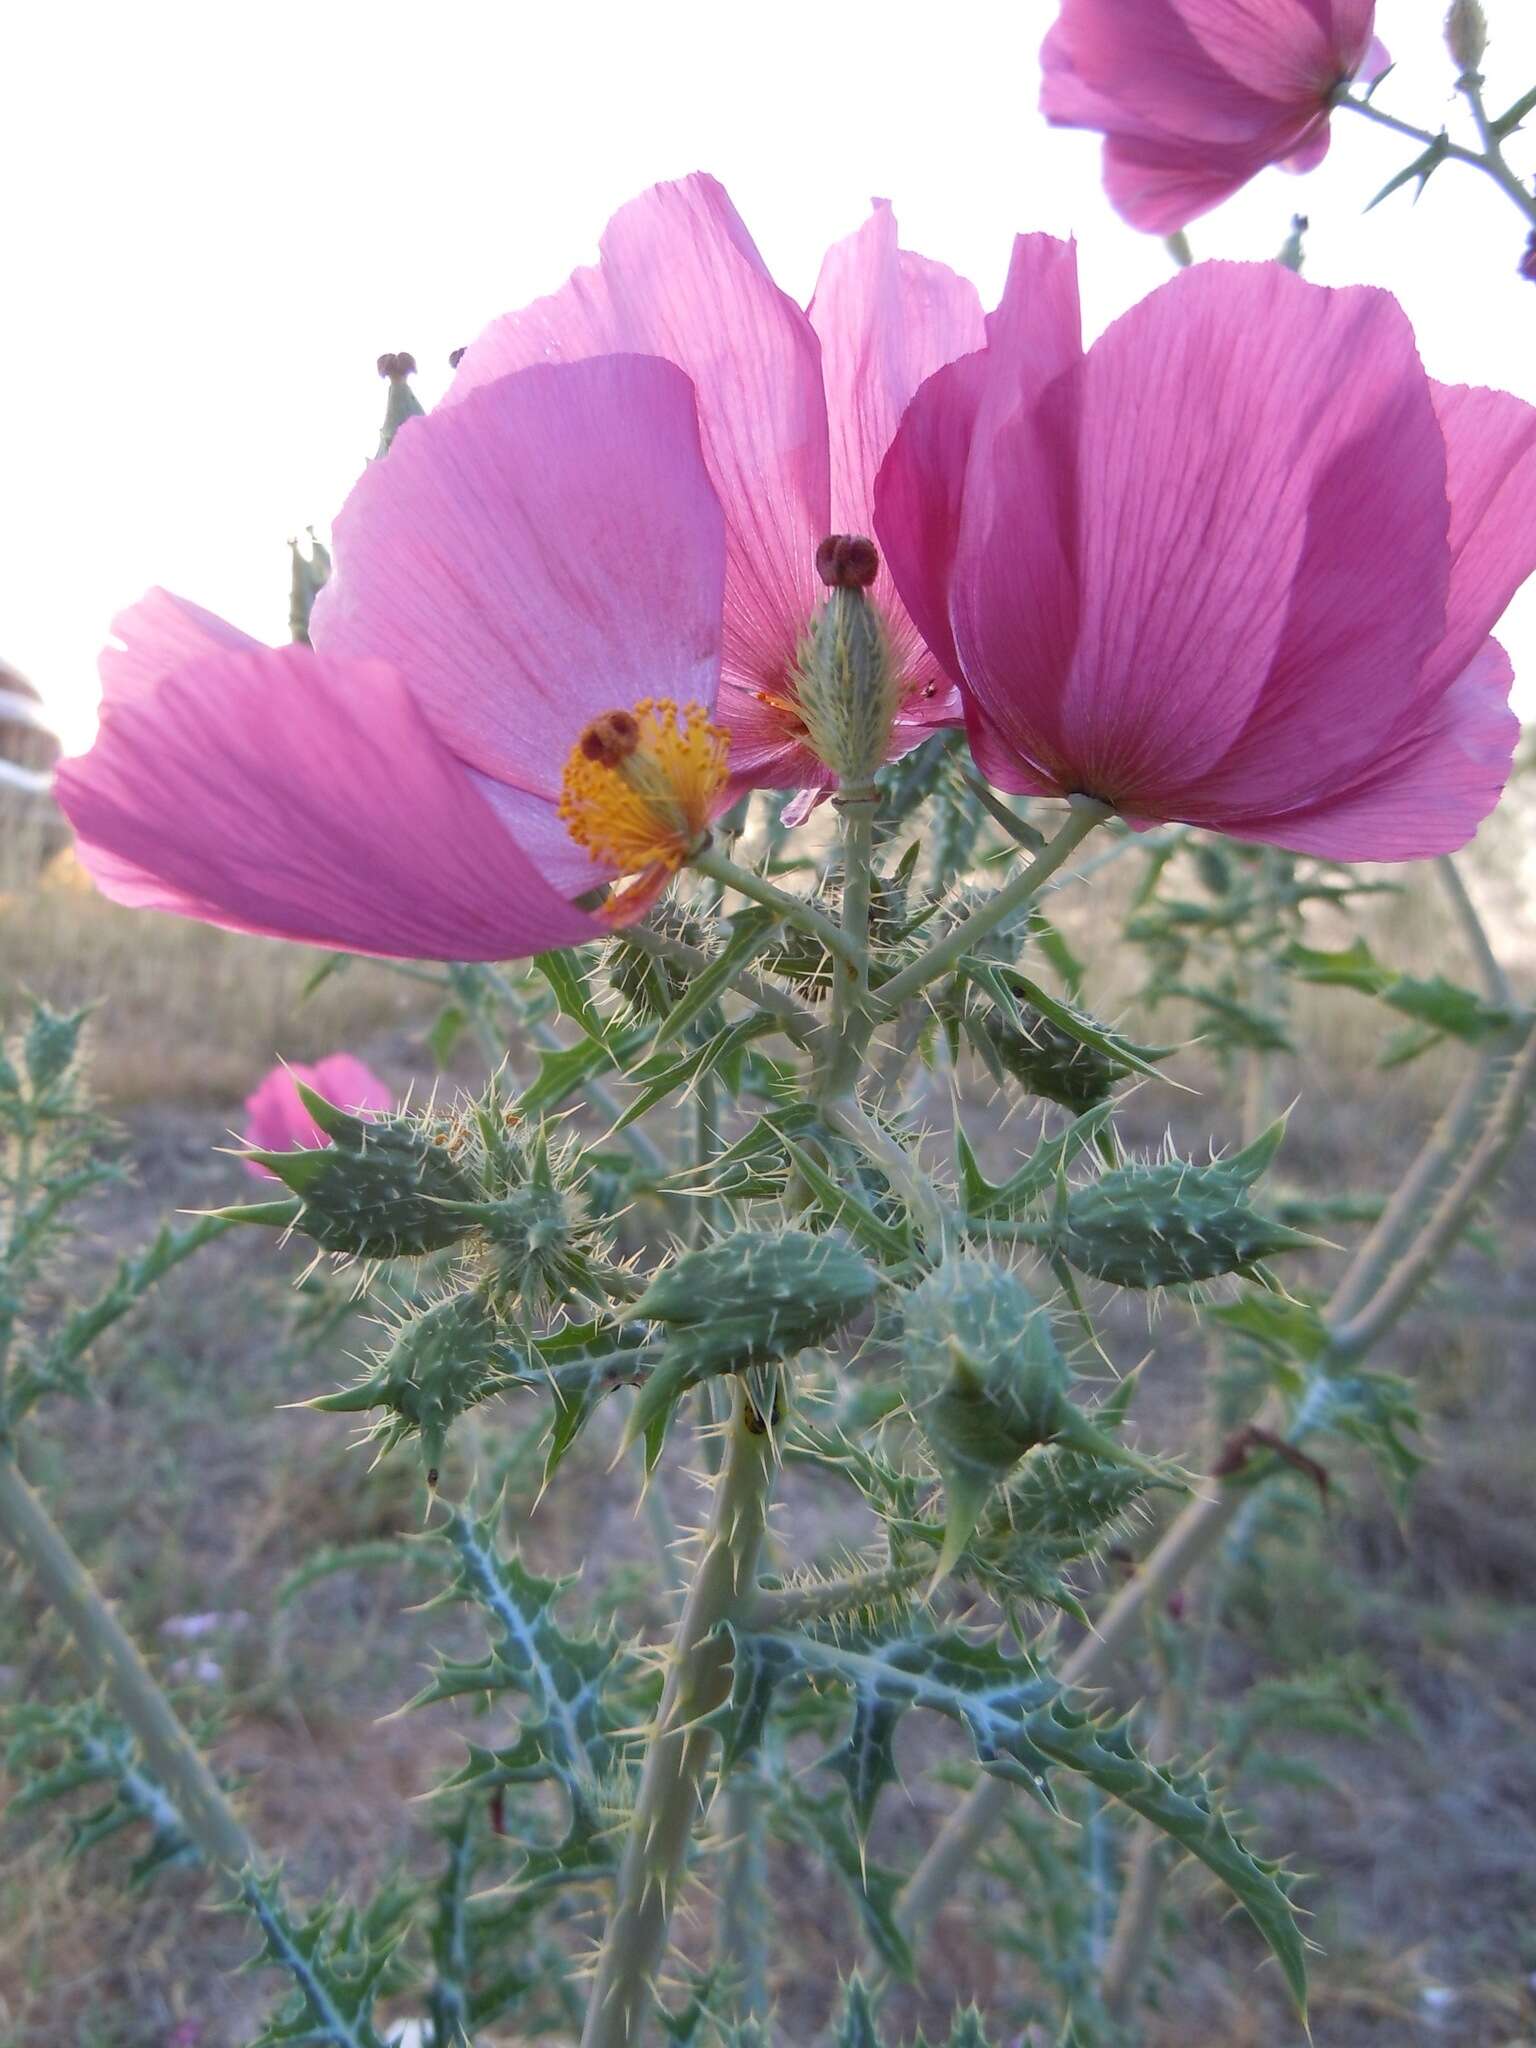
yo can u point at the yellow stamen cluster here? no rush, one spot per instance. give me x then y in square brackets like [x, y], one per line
[640, 785]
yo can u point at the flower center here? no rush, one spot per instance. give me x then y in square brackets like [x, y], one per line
[640, 785]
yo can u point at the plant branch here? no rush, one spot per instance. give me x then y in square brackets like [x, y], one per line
[114, 1662]
[793, 909]
[672, 1785]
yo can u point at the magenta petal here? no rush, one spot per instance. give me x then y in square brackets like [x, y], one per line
[1035, 337]
[681, 278]
[1490, 445]
[548, 550]
[1428, 792]
[276, 1119]
[1277, 48]
[155, 635]
[1138, 66]
[342, 1078]
[304, 797]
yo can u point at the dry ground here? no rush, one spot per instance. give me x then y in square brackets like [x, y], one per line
[190, 1490]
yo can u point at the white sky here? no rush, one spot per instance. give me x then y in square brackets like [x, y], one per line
[216, 216]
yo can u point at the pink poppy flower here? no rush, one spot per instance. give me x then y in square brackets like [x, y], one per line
[1195, 97]
[508, 704]
[276, 1119]
[1236, 565]
[796, 410]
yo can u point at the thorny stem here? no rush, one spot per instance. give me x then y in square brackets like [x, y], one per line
[1490, 159]
[791, 1015]
[1086, 812]
[744, 1916]
[851, 1022]
[114, 1662]
[1490, 973]
[1458, 1161]
[787, 1606]
[673, 1790]
[793, 909]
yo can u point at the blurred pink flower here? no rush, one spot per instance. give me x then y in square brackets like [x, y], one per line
[1235, 566]
[275, 1116]
[796, 410]
[1195, 97]
[508, 702]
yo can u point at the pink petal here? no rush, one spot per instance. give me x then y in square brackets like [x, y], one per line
[1035, 338]
[1206, 423]
[547, 550]
[1160, 184]
[1368, 600]
[1138, 66]
[297, 795]
[342, 1078]
[1427, 793]
[276, 1119]
[159, 633]
[1277, 48]
[680, 278]
[1490, 444]
[1377, 59]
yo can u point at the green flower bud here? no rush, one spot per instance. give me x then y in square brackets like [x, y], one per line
[647, 988]
[1050, 1062]
[438, 1364]
[986, 1383]
[380, 1189]
[1166, 1224]
[535, 1242]
[1466, 34]
[751, 1298]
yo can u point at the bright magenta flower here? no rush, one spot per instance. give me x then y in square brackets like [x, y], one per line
[796, 411]
[1195, 97]
[508, 703]
[276, 1119]
[1236, 566]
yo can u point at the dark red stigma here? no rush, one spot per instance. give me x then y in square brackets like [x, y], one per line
[847, 561]
[394, 367]
[611, 738]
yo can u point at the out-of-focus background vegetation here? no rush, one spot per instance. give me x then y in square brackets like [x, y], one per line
[193, 1491]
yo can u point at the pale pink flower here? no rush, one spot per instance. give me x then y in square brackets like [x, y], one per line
[277, 1121]
[1236, 565]
[508, 703]
[1195, 97]
[796, 410]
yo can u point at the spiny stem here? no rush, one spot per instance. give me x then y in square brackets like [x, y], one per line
[672, 1784]
[851, 1022]
[1086, 812]
[1490, 160]
[745, 1914]
[793, 909]
[787, 1606]
[114, 1662]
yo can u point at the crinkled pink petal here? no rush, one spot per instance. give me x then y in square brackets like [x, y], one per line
[681, 278]
[157, 634]
[1428, 792]
[276, 1119]
[549, 549]
[920, 490]
[887, 320]
[302, 796]
[1367, 602]
[1490, 444]
[1137, 65]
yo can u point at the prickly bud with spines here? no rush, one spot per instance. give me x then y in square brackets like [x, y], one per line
[1168, 1223]
[1050, 1062]
[986, 1383]
[847, 683]
[380, 1189]
[438, 1364]
[751, 1298]
[1466, 34]
[534, 1243]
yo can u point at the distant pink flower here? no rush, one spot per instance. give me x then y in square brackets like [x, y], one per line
[276, 1119]
[1235, 566]
[1195, 97]
[508, 703]
[796, 411]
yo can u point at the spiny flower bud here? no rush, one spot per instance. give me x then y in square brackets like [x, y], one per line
[847, 688]
[438, 1364]
[535, 1244]
[1166, 1224]
[986, 1383]
[1050, 1062]
[379, 1189]
[752, 1298]
[1466, 34]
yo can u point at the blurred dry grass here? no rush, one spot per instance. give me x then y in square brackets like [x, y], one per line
[190, 1488]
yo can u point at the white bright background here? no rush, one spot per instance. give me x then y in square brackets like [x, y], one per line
[216, 216]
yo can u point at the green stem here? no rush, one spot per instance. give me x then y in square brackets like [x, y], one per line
[788, 1606]
[851, 1021]
[1086, 812]
[792, 1017]
[1490, 160]
[745, 1913]
[114, 1662]
[793, 909]
[673, 1791]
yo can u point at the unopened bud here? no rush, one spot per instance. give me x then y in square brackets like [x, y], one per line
[1292, 250]
[402, 403]
[847, 561]
[1466, 33]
